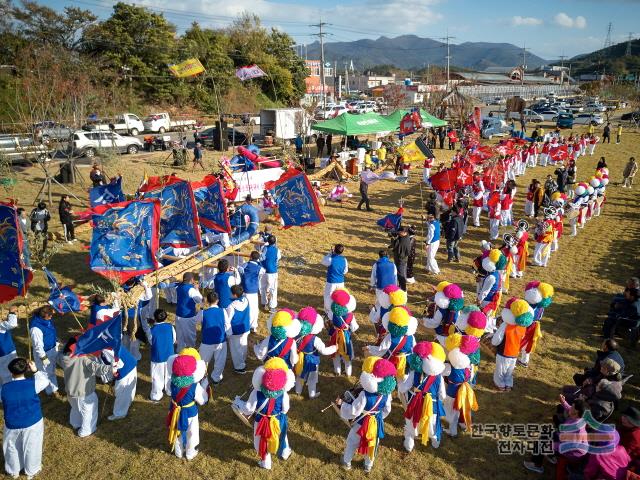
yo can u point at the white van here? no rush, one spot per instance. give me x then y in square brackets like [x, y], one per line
[494, 127]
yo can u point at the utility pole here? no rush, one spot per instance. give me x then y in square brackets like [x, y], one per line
[562, 57]
[448, 57]
[627, 52]
[321, 35]
[524, 63]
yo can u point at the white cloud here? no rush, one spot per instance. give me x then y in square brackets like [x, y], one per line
[564, 20]
[517, 21]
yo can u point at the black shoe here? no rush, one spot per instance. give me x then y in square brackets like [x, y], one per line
[213, 382]
[457, 260]
[369, 209]
[241, 371]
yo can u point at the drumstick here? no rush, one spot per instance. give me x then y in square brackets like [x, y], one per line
[326, 408]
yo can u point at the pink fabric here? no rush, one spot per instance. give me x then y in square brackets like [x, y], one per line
[608, 466]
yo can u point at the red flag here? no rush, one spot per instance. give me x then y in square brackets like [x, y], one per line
[464, 176]
[559, 153]
[444, 180]
[448, 197]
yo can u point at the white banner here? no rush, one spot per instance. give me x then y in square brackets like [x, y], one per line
[253, 182]
[249, 72]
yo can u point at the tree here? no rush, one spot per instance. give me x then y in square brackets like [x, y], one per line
[139, 44]
[44, 26]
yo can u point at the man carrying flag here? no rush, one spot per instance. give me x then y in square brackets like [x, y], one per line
[81, 369]
[44, 340]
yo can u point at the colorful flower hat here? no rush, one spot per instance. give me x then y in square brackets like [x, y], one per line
[517, 312]
[284, 324]
[590, 190]
[538, 294]
[273, 378]
[472, 321]
[378, 375]
[603, 175]
[595, 182]
[456, 357]
[186, 368]
[469, 344]
[581, 189]
[391, 296]
[428, 358]
[493, 260]
[342, 302]
[310, 321]
[558, 198]
[449, 296]
[398, 321]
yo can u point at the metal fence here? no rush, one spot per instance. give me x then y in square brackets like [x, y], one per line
[524, 91]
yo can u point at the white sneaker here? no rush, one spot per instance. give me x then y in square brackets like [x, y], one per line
[411, 280]
[113, 418]
[286, 454]
[346, 466]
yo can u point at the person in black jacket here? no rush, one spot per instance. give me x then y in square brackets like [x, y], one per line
[453, 232]
[40, 223]
[562, 177]
[66, 218]
[364, 194]
[401, 246]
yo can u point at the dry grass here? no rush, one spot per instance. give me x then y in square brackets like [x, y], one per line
[586, 271]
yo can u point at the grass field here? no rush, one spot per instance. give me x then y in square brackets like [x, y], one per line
[585, 272]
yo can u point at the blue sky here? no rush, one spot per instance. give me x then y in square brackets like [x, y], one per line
[549, 28]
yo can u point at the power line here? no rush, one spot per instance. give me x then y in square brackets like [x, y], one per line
[448, 57]
[627, 52]
[321, 35]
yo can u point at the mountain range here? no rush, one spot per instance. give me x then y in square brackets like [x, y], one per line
[413, 52]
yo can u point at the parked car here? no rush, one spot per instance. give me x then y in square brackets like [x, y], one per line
[594, 107]
[565, 120]
[529, 116]
[588, 119]
[330, 112]
[576, 108]
[208, 137]
[634, 116]
[23, 150]
[494, 127]
[88, 144]
[549, 115]
[128, 123]
[160, 123]
[48, 130]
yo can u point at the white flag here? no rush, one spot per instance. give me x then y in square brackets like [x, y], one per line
[249, 72]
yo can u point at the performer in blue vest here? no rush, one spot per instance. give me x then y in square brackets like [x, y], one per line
[284, 327]
[162, 338]
[337, 268]
[216, 327]
[100, 311]
[44, 340]
[383, 274]
[270, 257]
[238, 313]
[226, 278]
[7, 347]
[433, 243]
[252, 273]
[489, 288]
[126, 381]
[23, 423]
[187, 314]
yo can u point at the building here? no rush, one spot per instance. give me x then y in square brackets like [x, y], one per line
[365, 82]
[313, 83]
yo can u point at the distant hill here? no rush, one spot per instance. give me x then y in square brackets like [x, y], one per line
[612, 60]
[413, 52]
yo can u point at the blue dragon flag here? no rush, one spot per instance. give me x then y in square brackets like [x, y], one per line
[296, 200]
[391, 221]
[105, 335]
[212, 208]
[125, 239]
[62, 299]
[179, 225]
[15, 276]
[104, 194]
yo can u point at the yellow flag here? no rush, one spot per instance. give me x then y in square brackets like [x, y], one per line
[412, 153]
[188, 68]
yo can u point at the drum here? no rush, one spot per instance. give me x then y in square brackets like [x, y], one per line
[430, 310]
[243, 418]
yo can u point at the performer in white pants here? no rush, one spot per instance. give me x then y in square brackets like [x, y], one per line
[187, 314]
[162, 338]
[44, 341]
[124, 389]
[252, 274]
[433, 243]
[270, 257]
[478, 198]
[23, 424]
[80, 384]
[7, 347]
[239, 316]
[216, 328]
[337, 268]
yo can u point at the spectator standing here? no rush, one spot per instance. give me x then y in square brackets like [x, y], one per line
[96, 176]
[453, 232]
[441, 136]
[364, 194]
[66, 218]
[401, 246]
[606, 133]
[40, 217]
[319, 145]
[619, 134]
[329, 144]
[630, 170]
[197, 156]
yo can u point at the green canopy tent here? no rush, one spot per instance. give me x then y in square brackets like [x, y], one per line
[428, 120]
[351, 124]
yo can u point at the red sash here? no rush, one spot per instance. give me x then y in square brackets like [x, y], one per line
[287, 347]
[414, 408]
[264, 429]
[305, 341]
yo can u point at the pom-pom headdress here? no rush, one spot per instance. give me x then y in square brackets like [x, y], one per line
[428, 358]
[494, 260]
[398, 322]
[538, 294]
[391, 296]
[517, 312]
[310, 321]
[284, 324]
[186, 368]
[342, 302]
[449, 296]
[472, 321]
[457, 359]
[378, 375]
[273, 378]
